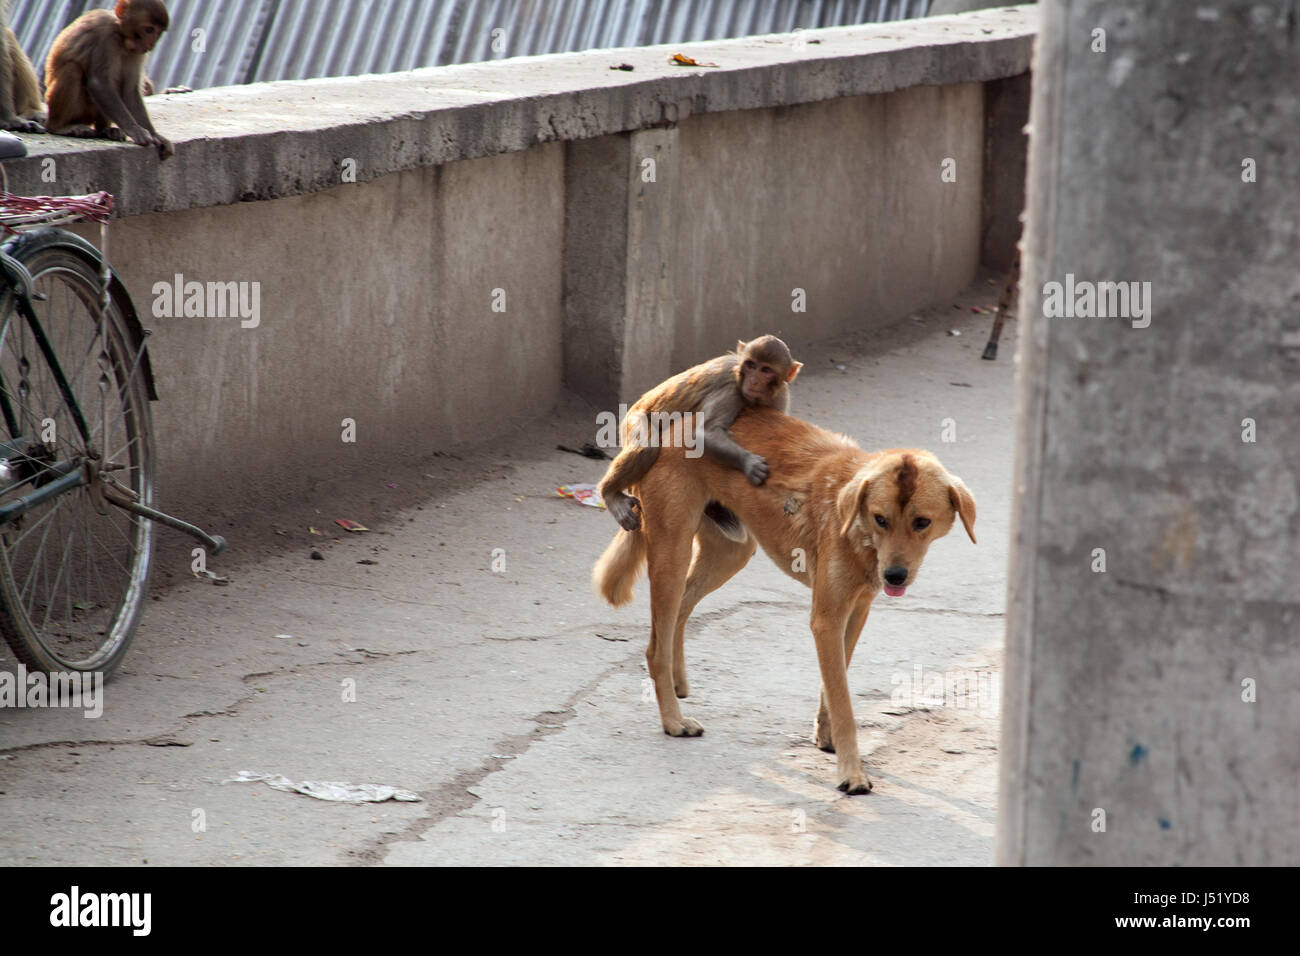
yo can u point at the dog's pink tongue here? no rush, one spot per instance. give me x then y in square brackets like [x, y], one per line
[894, 590]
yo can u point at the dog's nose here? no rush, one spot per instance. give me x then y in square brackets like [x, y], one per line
[897, 576]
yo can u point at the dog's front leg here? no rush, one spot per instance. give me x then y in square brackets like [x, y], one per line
[852, 629]
[828, 627]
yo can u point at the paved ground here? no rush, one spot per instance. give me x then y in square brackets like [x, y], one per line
[514, 702]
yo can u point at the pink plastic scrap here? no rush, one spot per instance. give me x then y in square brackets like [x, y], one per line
[584, 494]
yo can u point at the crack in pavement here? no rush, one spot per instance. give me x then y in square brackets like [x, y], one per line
[944, 610]
[168, 738]
[564, 632]
[232, 709]
[373, 590]
[44, 744]
[370, 656]
[454, 797]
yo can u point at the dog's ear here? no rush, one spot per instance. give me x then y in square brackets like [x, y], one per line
[963, 502]
[740, 347]
[794, 370]
[850, 501]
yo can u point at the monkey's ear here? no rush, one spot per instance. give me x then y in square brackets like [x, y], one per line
[794, 370]
[963, 502]
[849, 503]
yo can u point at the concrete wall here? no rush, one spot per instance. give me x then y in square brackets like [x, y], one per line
[376, 305]
[809, 161]
[841, 199]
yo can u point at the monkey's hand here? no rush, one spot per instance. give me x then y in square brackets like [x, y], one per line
[626, 511]
[755, 468]
[143, 137]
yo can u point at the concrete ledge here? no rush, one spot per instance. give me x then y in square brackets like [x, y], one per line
[274, 140]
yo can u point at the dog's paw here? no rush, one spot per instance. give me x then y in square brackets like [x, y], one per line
[682, 687]
[855, 784]
[822, 736]
[689, 727]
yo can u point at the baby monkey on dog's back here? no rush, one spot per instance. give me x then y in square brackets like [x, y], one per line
[757, 373]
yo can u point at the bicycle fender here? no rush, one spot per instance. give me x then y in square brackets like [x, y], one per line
[29, 242]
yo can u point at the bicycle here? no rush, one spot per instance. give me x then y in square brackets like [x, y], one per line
[76, 440]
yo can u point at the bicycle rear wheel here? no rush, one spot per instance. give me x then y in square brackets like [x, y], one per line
[73, 570]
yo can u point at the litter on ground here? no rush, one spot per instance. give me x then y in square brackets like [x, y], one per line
[327, 789]
[584, 494]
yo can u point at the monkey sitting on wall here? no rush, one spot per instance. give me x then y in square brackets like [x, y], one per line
[94, 76]
[20, 94]
[757, 373]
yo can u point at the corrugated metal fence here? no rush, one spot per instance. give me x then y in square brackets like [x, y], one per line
[228, 42]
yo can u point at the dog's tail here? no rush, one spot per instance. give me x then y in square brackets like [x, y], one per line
[619, 567]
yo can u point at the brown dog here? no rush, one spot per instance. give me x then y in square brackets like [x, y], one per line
[849, 523]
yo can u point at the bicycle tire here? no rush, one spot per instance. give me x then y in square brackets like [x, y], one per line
[52, 617]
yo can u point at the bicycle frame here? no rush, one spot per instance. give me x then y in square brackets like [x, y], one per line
[19, 283]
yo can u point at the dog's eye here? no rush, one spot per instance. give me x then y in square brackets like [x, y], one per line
[920, 524]
[881, 521]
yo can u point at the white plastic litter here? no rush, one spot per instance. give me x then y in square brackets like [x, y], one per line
[328, 789]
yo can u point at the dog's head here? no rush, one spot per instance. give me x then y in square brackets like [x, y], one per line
[901, 501]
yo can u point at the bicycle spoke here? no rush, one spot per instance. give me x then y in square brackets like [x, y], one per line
[38, 561]
[118, 351]
[54, 588]
[109, 553]
[49, 514]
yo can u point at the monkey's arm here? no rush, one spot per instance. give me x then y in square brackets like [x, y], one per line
[104, 94]
[715, 416]
[114, 88]
[135, 103]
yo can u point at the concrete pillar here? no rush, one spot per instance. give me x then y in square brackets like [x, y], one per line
[620, 192]
[1160, 692]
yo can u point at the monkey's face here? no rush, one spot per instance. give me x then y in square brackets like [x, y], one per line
[143, 23]
[765, 366]
[762, 378]
[758, 381]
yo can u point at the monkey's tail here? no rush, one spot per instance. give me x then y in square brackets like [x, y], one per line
[619, 567]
